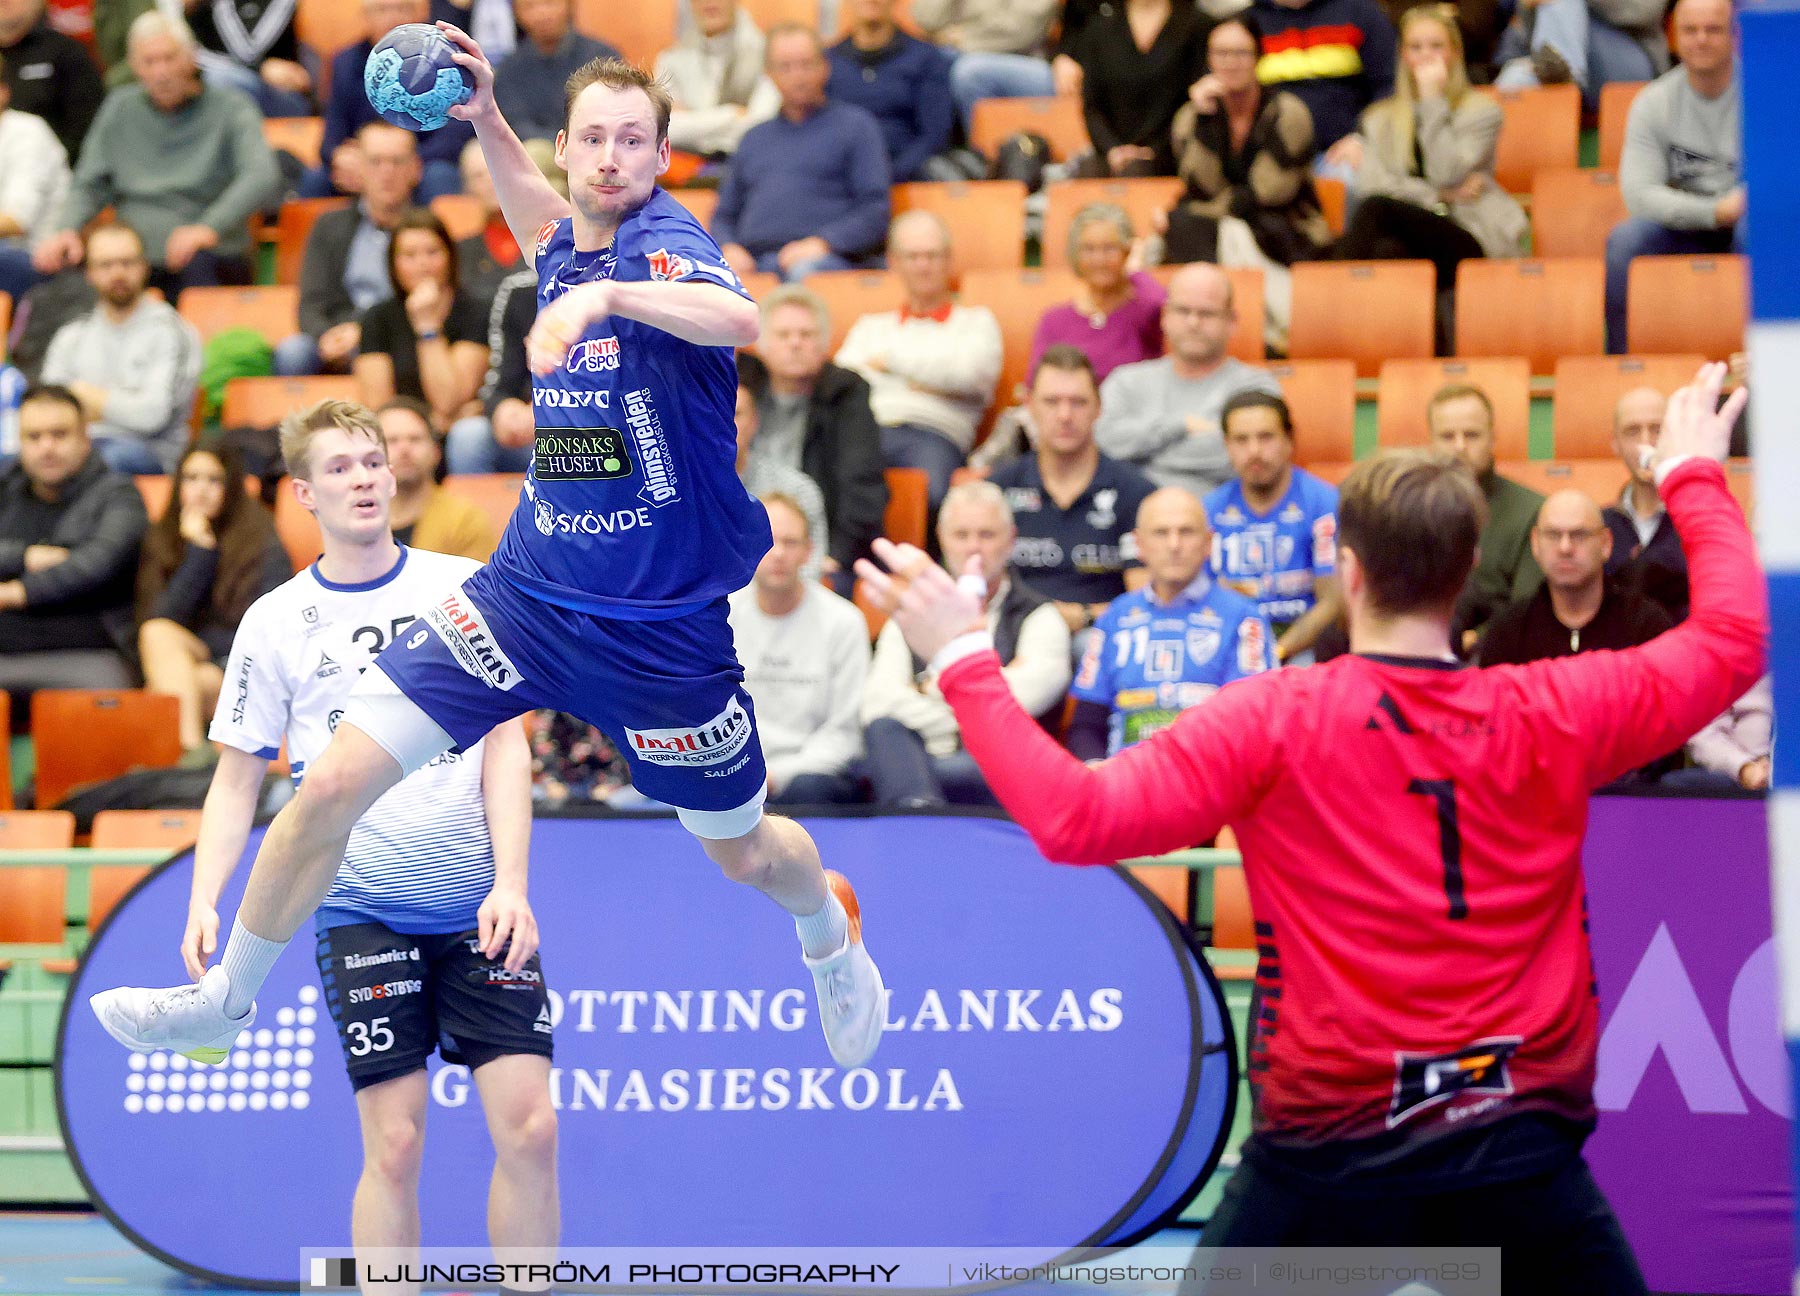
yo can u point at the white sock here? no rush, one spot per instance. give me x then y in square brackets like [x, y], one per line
[822, 934]
[247, 960]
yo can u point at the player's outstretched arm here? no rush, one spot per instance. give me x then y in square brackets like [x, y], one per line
[505, 916]
[705, 314]
[225, 822]
[1176, 789]
[525, 196]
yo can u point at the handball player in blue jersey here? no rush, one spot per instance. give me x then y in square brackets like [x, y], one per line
[607, 596]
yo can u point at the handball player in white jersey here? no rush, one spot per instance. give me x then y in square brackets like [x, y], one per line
[425, 940]
[607, 596]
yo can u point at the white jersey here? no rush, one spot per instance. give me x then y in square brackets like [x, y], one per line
[421, 860]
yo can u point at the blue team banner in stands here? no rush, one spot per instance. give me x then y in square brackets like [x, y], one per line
[1057, 1071]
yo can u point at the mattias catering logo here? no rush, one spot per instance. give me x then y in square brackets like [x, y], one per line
[717, 740]
[462, 628]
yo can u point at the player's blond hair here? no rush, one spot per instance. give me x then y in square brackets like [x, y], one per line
[617, 74]
[299, 429]
[1412, 518]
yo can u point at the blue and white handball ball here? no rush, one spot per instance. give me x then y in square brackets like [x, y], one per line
[411, 79]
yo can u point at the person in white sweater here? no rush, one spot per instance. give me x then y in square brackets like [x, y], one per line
[715, 75]
[805, 653]
[34, 180]
[932, 365]
[915, 754]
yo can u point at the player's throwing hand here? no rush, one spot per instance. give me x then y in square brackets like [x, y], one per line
[469, 56]
[1694, 423]
[560, 325]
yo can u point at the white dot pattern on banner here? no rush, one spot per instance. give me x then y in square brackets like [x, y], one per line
[304, 1038]
[215, 1102]
[256, 1077]
[218, 1080]
[153, 1102]
[241, 1080]
[173, 1103]
[133, 1103]
[283, 1057]
[159, 1061]
[240, 1059]
[177, 1083]
[308, 994]
[278, 1101]
[243, 1040]
[279, 1079]
[264, 1038]
[135, 1083]
[261, 1057]
[284, 1039]
[138, 1062]
[300, 1100]
[258, 1101]
[178, 1063]
[259, 1079]
[303, 1058]
[157, 1082]
[285, 1017]
[237, 1102]
[302, 1079]
[306, 1017]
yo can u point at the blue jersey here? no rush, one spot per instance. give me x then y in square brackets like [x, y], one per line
[632, 506]
[1274, 557]
[1149, 662]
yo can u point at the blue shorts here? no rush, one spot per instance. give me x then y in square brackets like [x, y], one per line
[670, 694]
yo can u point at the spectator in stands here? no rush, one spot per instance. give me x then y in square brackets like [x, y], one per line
[572, 761]
[343, 270]
[1680, 173]
[348, 111]
[528, 83]
[1733, 751]
[428, 340]
[1274, 527]
[816, 417]
[805, 653]
[424, 514]
[1169, 645]
[1245, 155]
[931, 365]
[34, 182]
[1588, 42]
[500, 438]
[808, 189]
[1460, 419]
[1337, 56]
[488, 256]
[1577, 609]
[765, 476]
[1426, 187]
[1138, 60]
[1073, 506]
[1116, 317]
[1163, 415]
[715, 75]
[250, 46]
[915, 755]
[48, 74]
[1000, 47]
[184, 164]
[69, 534]
[132, 361]
[1646, 553]
[903, 82]
[211, 555]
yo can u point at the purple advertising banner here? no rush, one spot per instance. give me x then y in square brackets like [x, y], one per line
[1695, 1116]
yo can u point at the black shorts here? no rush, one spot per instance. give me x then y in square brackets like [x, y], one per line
[396, 998]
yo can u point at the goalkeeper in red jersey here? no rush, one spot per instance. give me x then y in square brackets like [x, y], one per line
[1421, 1052]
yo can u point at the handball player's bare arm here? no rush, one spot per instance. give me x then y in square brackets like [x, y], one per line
[701, 313]
[1214, 765]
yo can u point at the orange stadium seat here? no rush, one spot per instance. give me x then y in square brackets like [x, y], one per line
[986, 219]
[87, 735]
[1588, 387]
[1018, 299]
[6, 788]
[301, 136]
[1541, 131]
[769, 12]
[760, 283]
[1740, 476]
[701, 203]
[1363, 311]
[1408, 385]
[1600, 480]
[1246, 341]
[907, 508]
[1539, 309]
[1173, 884]
[1678, 303]
[293, 223]
[326, 27]
[273, 310]
[1333, 471]
[1140, 198]
[873, 616]
[264, 402]
[110, 883]
[171, 830]
[462, 215]
[850, 294]
[638, 29]
[495, 494]
[1321, 395]
[1615, 109]
[1572, 212]
[34, 898]
[298, 529]
[1058, 118]
[5, 320]
[1333, 199]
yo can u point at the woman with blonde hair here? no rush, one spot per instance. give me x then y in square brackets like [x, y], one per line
[1426, 185]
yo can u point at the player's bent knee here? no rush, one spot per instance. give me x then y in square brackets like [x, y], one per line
[349, 776]
[531, 1136]
[394, 722]
[741, 859]
[394, 1148]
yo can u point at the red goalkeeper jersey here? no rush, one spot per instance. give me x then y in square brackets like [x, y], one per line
[1411, 835]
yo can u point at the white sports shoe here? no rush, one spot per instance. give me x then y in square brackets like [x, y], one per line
[852, 999]
[189, 1020]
